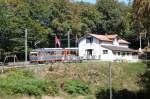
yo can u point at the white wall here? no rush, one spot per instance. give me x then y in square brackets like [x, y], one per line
[83, 46]
[106, 57]
[115, 42]
[98, 50]
[129, 58]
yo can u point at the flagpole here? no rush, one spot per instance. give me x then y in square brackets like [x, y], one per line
[69, 38]
[76, 41]
[55, 41]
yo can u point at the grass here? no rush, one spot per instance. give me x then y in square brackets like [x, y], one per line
[134, 68]
[93, 73]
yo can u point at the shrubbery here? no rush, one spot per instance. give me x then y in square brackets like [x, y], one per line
[76, 87]
[24, 82]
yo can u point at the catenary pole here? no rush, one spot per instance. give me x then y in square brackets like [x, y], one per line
[148, 43]
[140, 49]
[26, 49]
[110, 81]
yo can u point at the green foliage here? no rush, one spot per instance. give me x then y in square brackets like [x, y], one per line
[24, 82]
[76, 87]
[145, 78]
[115, 16]
[46, 18]
[94, 73]
[141, 16]
[51, 88]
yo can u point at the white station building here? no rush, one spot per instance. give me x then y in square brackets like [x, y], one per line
[106, 48]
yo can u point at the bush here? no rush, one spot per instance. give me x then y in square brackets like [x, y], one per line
[76, 87]
[147, 62]
[52, 88]
[24, 82]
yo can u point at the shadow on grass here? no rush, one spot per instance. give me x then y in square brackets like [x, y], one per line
[126, 94]
[122, 94]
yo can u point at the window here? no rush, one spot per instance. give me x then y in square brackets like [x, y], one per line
[114, 53]
[105, 51]
[123, 54]
[89, 52]
[134, 53]
[119, 53]
[89, 39]
[128, 54]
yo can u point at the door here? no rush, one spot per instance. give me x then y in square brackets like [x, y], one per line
[89, 53]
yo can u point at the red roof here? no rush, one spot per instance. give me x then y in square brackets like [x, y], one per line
[123, 41]
[101, 37]
[109, 38]
[112, 36]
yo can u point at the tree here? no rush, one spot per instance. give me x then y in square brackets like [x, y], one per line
[46, 18]
[15, 17]
[141, 10]
[91, 18]
[116, 16]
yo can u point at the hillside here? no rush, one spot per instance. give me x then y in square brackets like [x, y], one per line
[93, 73]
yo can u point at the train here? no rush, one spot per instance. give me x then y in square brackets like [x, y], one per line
[52, 55]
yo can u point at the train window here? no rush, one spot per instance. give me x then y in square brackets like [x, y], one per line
[73, 52]
[51, 52]
[63, 52]
[68, 52]
[33, 54]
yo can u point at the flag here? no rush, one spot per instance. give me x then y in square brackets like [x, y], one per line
[57, 41]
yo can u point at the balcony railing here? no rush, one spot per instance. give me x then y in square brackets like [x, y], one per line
[89, 57]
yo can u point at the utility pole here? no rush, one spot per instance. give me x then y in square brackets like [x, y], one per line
[26, 55]
[69, 38]
[140, 49]
[110, 82]
[141, 35]
[0, 55]
[148, 43]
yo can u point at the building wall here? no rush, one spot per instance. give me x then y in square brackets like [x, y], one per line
[106, 57]
[115, 42]
[83, 46]
[127, 57]
[98, 50]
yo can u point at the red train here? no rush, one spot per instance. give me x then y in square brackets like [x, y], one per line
[52, 55]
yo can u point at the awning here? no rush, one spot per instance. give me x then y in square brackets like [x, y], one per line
[116, 48]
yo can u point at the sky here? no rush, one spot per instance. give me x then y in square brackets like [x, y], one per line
[94, 1]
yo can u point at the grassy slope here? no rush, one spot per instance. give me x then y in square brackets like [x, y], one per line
[95, 73]
[124, 75]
